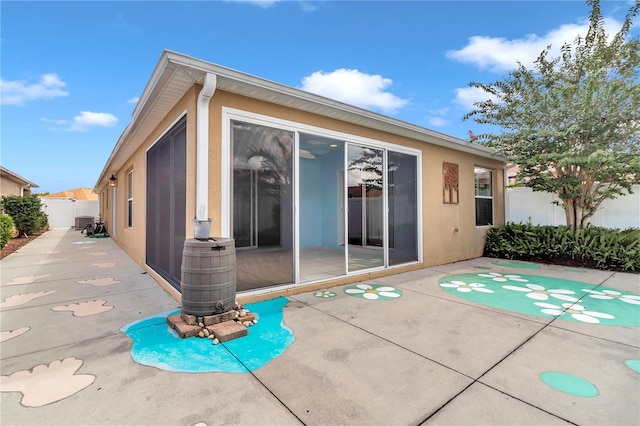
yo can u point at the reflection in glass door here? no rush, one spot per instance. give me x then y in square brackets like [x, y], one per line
[321, 200]
[402, 192]
[365, 199]
[262, 205]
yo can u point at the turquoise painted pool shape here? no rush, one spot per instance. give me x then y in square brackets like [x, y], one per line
[515, 264]
[155, 344]
[547, 297]
[570, 384]
[633, 364]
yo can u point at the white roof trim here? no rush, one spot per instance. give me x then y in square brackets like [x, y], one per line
[175, 73]
[17, 178]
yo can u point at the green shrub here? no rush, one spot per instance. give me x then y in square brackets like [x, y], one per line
[592, 247]
[6, 230]
[26, 213]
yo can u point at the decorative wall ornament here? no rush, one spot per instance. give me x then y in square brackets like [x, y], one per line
[449, 183]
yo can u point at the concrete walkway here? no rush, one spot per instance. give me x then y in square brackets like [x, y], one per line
[431, 356]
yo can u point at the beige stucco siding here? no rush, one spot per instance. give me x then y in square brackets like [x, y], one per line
[440, 243]
[133, 239]
[9, 187]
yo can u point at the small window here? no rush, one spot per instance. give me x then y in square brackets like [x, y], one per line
[130, 199]
[484, 196]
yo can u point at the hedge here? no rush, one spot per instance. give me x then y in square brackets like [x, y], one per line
[6, 230]
[593, 247]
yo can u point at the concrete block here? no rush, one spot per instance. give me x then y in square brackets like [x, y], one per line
[189, 319]
[228, 330]
[172, 320]
[185, 330]
[216, 319]
[248, 317]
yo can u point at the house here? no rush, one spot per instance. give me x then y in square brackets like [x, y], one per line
[314, 192]
[13, 184]
[78, 194]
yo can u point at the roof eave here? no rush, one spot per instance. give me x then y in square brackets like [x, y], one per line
[184, 71]
[19, 179]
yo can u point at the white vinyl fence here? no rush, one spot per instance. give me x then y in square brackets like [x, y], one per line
[63, 212]
[524, 205]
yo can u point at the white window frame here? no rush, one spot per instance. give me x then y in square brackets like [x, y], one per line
[229, 114]
[130, 199]
[486, 197]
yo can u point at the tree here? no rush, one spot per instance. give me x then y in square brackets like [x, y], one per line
[572, 123]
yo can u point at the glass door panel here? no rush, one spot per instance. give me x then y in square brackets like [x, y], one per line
[321, 198]
[365, 199]
[262, 205]
[402, 190]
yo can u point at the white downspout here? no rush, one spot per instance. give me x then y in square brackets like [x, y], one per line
[505, 178]
[202, 148]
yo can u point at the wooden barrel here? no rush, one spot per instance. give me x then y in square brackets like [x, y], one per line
[208, 276]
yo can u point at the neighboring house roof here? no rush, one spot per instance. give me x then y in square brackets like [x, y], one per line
[81, 194]
[175, 73]
[8, 174]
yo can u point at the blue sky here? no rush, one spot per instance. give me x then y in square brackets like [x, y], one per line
[71, 72]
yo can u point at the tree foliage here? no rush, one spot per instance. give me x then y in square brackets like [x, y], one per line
[26, 213]
[572, 123]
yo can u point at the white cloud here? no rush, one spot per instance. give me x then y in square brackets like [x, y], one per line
[498, 54]
[134, 100]
[265, 4]
[308, 7]
[466, 97]
[262, 3]
[20, 92]
[441, 111]
[53, 121]
[88, 119]
[437, 121]
[354, 87]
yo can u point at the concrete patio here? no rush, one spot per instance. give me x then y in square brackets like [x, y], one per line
[426, 357]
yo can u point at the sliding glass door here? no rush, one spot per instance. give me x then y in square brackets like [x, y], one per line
[262, 205]
[338, 207]
[402, 190]
[321, 201]
[365, 184]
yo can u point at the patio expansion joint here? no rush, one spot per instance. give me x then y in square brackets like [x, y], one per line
[82, 299]
[77, 277]
[547, 325]
[382, 338]
[479, 379]
[503, 393]
[262, 383]
[79, 342]
[475, 305]
[473, 380]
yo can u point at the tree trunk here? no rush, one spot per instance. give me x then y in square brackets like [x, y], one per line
[576, 213]
[570, 213]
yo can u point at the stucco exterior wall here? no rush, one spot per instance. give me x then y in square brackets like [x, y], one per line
[440, 243]
[9, 187]
[133, 239]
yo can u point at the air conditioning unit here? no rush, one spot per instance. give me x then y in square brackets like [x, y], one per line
[82, 221]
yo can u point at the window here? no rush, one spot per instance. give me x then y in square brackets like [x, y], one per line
[130, 199]
[484, 196]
